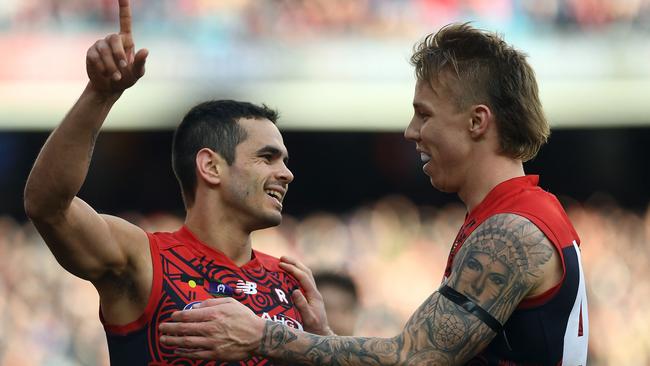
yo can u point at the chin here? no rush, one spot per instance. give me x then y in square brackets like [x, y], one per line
[269, 220]
[441, 187]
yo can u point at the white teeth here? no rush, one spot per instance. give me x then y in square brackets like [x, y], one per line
[424, 157]
[275, 194]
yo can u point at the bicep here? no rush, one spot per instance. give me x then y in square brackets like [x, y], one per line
[88, 244]
[498, 265]
[501, 262]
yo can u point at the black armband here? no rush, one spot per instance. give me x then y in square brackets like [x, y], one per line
[471, 307]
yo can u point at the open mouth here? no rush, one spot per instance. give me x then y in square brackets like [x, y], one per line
[425, 157]
[275, 194]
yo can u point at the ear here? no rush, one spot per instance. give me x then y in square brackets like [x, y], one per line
[209, 166]
[481, 120]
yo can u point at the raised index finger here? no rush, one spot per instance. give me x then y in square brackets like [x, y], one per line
[125, 17]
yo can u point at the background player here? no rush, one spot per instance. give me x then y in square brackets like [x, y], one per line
[341, 298]
[230, 160]
[513, 291]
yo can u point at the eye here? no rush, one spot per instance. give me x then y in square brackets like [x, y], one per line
[474, 265]
[422, 115]
[498, 280]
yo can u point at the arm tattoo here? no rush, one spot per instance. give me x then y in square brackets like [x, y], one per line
[496, 267]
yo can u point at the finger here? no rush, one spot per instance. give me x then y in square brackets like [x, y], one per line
[296, 272]
[125, 17]
[188, 343]
[106, 55]
[195, 315]
[296, 263]
[302, 304]
[180, 329]
[94, 60]
[306, 280]
[201, 312]
[215, 301]
[139, 62]
[115, 42]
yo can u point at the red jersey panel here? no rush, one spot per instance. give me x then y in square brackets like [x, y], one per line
[187, 272]
[550, 329]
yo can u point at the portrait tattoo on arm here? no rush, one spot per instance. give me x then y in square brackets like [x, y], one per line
[499, 263]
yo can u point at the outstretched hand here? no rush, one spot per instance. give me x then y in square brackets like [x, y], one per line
[112, 63]
[310, 304]
[218, 329]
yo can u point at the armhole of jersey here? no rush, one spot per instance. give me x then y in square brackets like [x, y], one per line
[547, 295]
[154, 296]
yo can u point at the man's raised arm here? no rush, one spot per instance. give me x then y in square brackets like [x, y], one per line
[85, 243]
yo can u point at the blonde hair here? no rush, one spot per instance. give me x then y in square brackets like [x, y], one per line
[491, 72]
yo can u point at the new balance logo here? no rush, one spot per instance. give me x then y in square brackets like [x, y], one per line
[249, 288]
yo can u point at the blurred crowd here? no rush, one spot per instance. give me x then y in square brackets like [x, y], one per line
[394, 250]
[300, 18]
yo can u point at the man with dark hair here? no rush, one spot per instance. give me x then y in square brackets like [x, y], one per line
[513, 291]
[230, 160]
[341, 300]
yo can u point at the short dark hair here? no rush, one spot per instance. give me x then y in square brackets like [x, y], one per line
[212, 125]
[339, 280]
[489, 71]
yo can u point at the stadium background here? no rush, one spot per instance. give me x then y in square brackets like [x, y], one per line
[338, 72]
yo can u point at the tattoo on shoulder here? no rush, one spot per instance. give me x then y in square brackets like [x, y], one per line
[500, 262]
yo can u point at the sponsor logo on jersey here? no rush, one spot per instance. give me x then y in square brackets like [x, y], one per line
[282, 319]
[249, 288]
[219, 289]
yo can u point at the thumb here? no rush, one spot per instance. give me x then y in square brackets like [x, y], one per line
[139, 61]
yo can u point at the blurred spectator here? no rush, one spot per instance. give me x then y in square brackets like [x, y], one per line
[341, 301]
[292, 19]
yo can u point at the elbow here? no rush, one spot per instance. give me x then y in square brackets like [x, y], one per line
[31, 204]
[36, 205]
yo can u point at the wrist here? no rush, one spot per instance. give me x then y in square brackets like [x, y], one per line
[328, 332]
[100, 96]
[258, 333]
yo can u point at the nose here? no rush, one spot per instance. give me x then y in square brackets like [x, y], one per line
[412, 132]
[284, 174]
[479, 285]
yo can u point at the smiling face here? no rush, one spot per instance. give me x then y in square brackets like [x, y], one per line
[440, 130]
[254, 186]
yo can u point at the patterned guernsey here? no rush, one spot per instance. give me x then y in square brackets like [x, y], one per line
[552, 328]
[186, 272]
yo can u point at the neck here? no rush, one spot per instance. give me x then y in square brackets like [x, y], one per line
[217, 230]
[486, 175]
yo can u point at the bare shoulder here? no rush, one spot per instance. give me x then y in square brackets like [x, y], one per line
[506, 259]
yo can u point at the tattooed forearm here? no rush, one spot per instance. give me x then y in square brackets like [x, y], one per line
[301, 348]
[442, 333]
[495, 268]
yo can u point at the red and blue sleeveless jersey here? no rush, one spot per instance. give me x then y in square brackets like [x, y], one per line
[186, 272]
[552, 328]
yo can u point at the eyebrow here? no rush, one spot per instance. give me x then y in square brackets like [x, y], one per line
[268, 149]
[420, 105]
